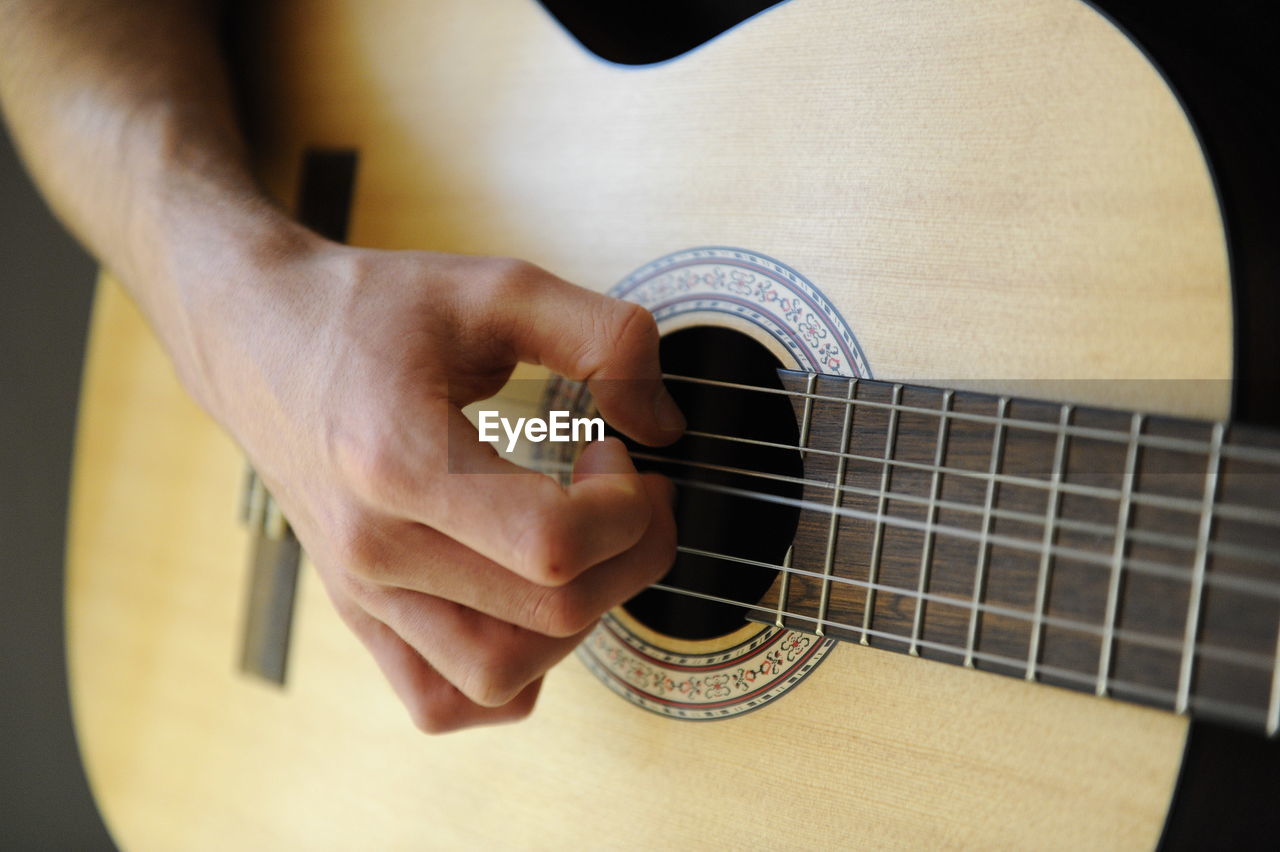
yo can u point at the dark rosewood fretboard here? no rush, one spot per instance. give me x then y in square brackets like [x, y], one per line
[1105, 551]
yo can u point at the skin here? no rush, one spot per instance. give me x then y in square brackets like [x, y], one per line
[341, 371]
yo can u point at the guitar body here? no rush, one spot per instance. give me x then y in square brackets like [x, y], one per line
[985, 192]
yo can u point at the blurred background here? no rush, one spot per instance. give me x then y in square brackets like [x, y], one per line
[46, 286]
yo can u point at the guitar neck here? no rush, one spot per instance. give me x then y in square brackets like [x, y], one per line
[1105, 551]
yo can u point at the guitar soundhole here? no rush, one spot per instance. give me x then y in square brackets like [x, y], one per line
[729, 525]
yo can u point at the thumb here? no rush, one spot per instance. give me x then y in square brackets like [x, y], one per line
[611, 344]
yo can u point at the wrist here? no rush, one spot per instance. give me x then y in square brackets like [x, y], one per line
[231, 293]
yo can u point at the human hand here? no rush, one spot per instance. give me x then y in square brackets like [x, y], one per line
[342, 373]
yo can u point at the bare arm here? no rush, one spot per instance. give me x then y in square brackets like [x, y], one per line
[340, 370]
[122, 111]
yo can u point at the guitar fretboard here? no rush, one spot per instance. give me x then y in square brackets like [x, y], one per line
[1132, 556]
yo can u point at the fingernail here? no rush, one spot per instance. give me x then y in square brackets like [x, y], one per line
[667, 412]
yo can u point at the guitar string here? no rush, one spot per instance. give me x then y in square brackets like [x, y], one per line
[1213, 652]
[1186, 543]
[1248, 514]
[1262, 588]
[1264, 455]
[1248, 585]
[1225, 709]
[1235, 656]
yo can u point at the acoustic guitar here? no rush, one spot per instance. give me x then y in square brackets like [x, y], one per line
[915, 604]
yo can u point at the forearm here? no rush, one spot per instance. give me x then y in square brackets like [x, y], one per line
[341, 371]
[123, 112]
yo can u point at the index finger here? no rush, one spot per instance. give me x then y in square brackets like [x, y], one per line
[609, 343]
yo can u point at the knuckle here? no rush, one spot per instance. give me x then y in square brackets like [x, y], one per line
[561, 612]
[510, 277]
[517, 711]
[361, 551]
[376, 468]
[358, 265]
[498, 677]
[546, 548]
[616, 326]
[632, 328]
[432, 717]
[634, 324]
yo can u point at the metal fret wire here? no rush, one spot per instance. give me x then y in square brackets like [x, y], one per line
[1142, 566]
[1046, 555]
[931, 515]
[785, 590]
[1273, 708]
[984, 550]
[1198, 574]
[1224, 709]
[1262, 455]
[1117, 557]
[877, 545]
[804, 439]
[834, 525]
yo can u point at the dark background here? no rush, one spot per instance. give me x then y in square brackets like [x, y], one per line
[1219, 56]
[46, 284]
